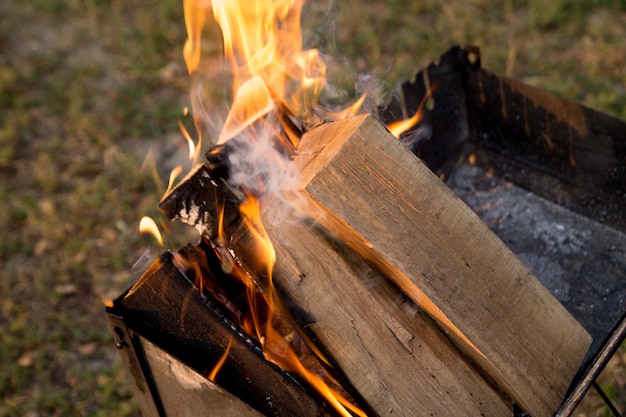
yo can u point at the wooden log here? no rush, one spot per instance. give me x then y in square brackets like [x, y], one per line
[364, 186]
[392, 353]
[165, 308]
[200, 198]
[185, 393]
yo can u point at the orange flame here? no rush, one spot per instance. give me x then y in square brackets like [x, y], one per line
[108, 301]
[251, 215]
[195, 12]
[173, 175]
[194, 149]
[275, 346]
[263, 39]
[262, 45]
[272, 75]
[265, 257]
[399, 127]
[220, 363]
[148, 225]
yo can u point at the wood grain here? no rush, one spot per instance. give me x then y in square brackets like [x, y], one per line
[390, 351]
[366, 188]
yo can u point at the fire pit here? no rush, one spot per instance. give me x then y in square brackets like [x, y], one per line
[547, 175]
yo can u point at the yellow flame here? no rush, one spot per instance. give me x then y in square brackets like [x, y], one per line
[251, 212]
[192, 146]
[349, 111]
[194, 149]
[262, 39]
[262, 45]
[245, 110]
[195, 12]
[275, 347]
[173, 175]
[148, 225]
[399, 127]
[149, 164]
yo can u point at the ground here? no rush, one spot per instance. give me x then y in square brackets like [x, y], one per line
[87, 86]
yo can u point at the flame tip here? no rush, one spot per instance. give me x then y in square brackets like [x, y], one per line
[148, 225]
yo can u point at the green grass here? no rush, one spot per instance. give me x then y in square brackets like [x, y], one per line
[84, 82]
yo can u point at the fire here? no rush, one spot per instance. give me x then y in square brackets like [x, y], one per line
[173, 175]
[262, 45]
[107, 301]
[275, 90]
[220, 363]
[148, 225]
[401, 126]
[262, 39]
[275, 347]
[194, 149]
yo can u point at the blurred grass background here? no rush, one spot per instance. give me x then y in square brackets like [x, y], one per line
[85, 84]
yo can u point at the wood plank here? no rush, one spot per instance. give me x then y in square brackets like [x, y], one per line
[186, 393]
[374, 335]
[165, 308]
[395, 356]
[365, 187]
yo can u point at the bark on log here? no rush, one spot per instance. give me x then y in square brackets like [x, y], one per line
[365, 187]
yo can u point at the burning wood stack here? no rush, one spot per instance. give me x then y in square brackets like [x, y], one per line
[354, 282]
[393, 277]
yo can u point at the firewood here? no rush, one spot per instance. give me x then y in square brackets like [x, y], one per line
[390, 352]
[359, 182]
[200, 199]
[174, 315]
[184, 392]
[379, 342]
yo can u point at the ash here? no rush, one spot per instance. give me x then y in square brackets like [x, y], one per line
[581, 261]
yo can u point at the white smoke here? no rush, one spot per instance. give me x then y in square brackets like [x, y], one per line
[255, 163]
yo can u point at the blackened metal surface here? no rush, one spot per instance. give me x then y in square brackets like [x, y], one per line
[184, 392]
[133, 356]
[549, 178]
[443, 127]
[559, 149]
